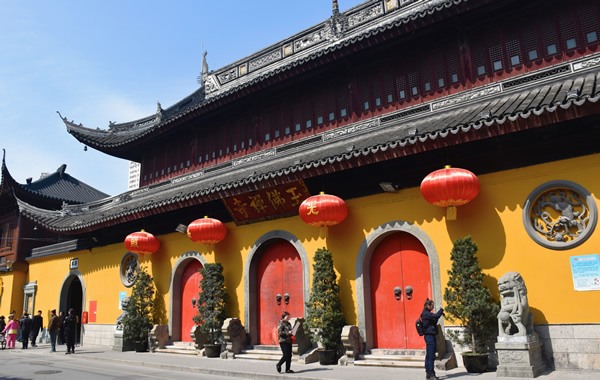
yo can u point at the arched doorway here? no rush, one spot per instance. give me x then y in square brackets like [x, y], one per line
[398, 263]
[279, 276]
[185, 285]
[71, 297]
[190, 289]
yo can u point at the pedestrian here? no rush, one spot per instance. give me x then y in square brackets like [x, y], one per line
[26, 325]
[14, 312]
[11, 330]
[70, 324]
[38, 325]
[430, 320]
[61, 332]
[284, 332]
[53, 329]
[2, 323]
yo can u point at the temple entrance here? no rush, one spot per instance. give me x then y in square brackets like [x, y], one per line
[72, 298]
[190, 289]
[399, 262]
[279, 288]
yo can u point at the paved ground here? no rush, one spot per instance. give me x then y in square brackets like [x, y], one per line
[259, 369]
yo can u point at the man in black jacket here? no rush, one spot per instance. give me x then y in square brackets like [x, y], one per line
[70, 324]
[430, 320]
[38, 324]
[25, 324]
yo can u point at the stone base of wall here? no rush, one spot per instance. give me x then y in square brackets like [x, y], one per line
[564, 347]
[96, 334]
[568, 347]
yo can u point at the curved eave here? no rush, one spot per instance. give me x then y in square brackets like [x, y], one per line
[7, 182]
[115, 141]
[451, 121]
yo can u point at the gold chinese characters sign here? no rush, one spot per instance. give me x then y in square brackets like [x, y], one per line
[271, 203]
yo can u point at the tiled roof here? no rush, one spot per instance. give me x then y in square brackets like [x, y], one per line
[60, 185]
[568, 91]
[359, 23]
[53, 188]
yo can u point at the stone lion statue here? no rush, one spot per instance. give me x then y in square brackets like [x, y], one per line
[514, 317]
[124, 304]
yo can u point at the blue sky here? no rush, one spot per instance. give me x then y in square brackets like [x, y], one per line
[109, 60]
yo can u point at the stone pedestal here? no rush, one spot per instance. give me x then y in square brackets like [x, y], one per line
[119, 343]
[519, 356]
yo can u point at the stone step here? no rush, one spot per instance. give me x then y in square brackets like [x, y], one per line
[392, 358]
[390, 363]
[184, 345]
[407, 358]
[261, 352]
[396, 351]
[175, 350]
[185, 348]
[267, 348]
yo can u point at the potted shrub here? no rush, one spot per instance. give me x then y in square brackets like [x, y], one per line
[468, 302]
[324, 309]
[138, 322]
[212, 307]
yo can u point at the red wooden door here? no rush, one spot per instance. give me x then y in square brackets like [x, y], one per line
[190, 289]
[399, 261]
[279, 273]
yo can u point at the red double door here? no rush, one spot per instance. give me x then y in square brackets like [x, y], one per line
[398, 264]
[279, 288]
[190, 290]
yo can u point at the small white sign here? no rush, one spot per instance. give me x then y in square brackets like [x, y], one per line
[74, 264]
[586, 272]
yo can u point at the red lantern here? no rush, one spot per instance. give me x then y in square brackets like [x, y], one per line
[143, 243]
[450, 187]
[207, 231]
[323, 210]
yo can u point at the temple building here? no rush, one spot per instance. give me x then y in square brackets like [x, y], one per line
[19, 236]
[431, 120]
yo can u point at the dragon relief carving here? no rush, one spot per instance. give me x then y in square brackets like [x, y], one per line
[560, 215]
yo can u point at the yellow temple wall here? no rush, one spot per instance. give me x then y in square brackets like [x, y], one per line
[493, 220]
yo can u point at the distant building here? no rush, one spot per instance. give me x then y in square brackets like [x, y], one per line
[53, 192]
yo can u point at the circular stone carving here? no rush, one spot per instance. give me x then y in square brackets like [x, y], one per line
[560, 215]
[130, 268]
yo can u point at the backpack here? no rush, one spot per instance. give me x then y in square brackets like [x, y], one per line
[420, 327]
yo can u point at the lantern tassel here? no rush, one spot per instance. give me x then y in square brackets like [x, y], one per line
[451, 213]
[323, 232]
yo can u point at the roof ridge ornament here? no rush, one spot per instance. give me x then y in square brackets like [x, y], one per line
[204, 72]
[337, 25]
[159, 112]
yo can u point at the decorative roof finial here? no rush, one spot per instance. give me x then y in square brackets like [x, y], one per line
[204, 73]
[336, 8]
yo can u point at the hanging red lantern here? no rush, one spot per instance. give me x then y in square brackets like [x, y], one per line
[207, 231]
[323, 210]
[142, 242]
[450, 187]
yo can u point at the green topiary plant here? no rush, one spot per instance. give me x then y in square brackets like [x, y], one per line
[468, 300]
[138, 320]
[324, 309]
[212, 302]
